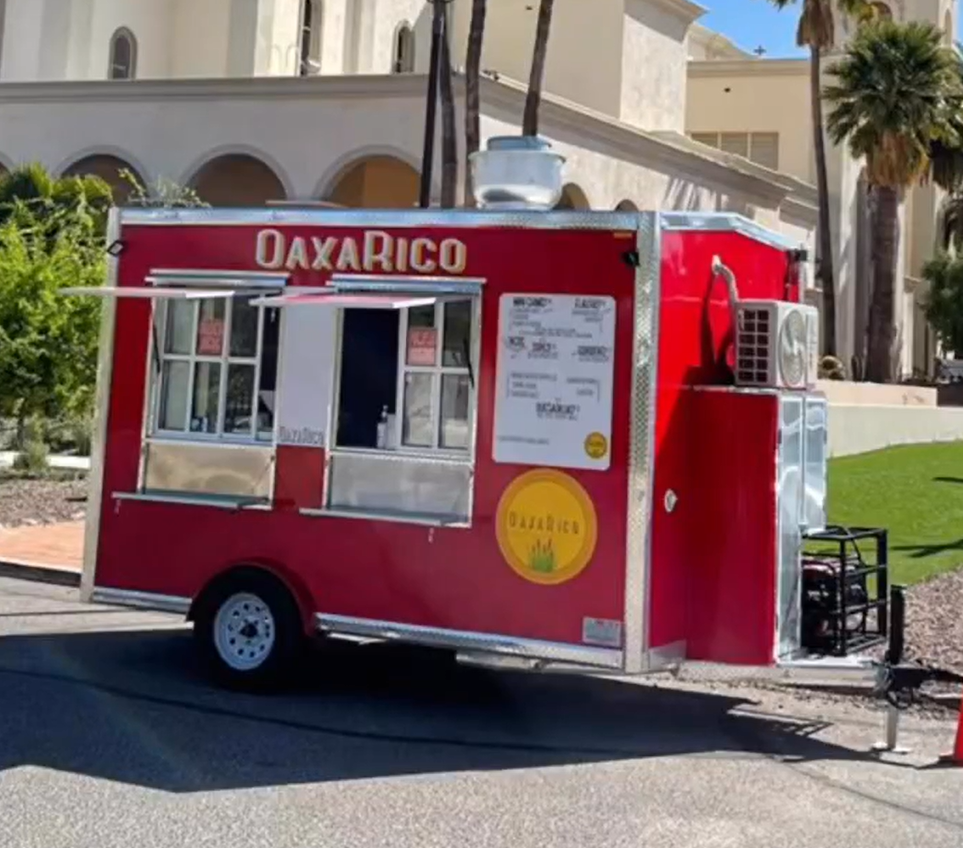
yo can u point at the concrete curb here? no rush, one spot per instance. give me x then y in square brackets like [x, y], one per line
[54, 575]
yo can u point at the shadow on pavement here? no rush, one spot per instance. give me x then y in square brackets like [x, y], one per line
[133, 707]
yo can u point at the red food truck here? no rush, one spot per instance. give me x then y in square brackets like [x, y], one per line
[571, 437]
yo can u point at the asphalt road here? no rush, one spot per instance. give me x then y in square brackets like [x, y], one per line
[110, 736]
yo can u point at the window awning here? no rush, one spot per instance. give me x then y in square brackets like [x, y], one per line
[145, 292]
[337, 300]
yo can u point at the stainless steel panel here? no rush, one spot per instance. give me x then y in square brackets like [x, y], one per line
[395, 485]
[211, 469]
[789, 493]
[641, 442]
[816, 450]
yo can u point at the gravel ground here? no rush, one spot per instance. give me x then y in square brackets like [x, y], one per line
[31, 502]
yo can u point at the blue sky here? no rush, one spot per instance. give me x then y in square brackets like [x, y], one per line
[754, 23]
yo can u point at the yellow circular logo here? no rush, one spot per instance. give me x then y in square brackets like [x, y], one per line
[546, 527]
[596, 445]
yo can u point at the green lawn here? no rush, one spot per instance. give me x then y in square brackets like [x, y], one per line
[916, 493]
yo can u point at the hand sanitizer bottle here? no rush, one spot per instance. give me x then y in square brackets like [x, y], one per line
[382, 437]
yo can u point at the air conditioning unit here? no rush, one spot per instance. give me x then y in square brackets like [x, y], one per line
[777, 344]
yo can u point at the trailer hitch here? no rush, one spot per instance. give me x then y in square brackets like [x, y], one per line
[900, 681]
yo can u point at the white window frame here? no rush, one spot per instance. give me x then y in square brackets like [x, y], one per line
[225, 360]
[458, 455]
[438, 372]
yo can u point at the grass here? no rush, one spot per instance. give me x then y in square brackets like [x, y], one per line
[916, 493]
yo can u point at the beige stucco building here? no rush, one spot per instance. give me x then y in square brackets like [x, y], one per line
[252, 101]
[760, 108]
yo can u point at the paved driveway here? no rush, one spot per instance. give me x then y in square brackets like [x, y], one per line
[109, 736]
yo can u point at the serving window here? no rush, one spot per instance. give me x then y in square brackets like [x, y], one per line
[217, 378]
[405, 410]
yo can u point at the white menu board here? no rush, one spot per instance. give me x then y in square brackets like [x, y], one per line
[554, 380]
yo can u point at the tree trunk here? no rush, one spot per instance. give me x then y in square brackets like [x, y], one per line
[534, 99]
[880, 358]
[449, 132]
[825, 235]
[476, 36]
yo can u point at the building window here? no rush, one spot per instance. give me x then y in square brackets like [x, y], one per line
[218, 369]
[759, 147]
[404, 58]
[123, 55]
[312, 23]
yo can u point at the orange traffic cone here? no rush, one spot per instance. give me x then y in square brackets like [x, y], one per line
[956, 758]
[958, 747]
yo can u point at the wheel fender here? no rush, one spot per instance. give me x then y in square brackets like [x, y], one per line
[292, 582]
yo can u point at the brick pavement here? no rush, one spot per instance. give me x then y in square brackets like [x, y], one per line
[55, 546]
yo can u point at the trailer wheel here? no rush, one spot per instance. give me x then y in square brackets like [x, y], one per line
[248, 629]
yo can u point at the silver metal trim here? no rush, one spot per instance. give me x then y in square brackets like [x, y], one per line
[389, 517]
[102, 397]
[727, 222]
[665, 656]
[402, 281]
[438, 457]
[641, 443]
[215, 502]
[812, 671]
[208, 277]
[401, 218]
[454, 286]
[140, 600]
[492, 643]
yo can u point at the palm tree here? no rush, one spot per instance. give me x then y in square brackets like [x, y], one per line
[817, 31]
[449, 137]
[892, 100]
[476, 37]
[534, 99]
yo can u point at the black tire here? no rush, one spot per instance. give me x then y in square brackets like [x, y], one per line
[268, 638]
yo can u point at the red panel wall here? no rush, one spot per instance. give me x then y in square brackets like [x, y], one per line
[695, 348]
[441, 577]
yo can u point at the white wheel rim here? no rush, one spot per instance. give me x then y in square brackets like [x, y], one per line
[244, 631]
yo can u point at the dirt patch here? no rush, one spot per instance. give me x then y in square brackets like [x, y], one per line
[33, 502]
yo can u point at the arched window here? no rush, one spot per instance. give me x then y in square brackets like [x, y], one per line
[404, 60]
[312, 29]
[123, 55]
[947, 30]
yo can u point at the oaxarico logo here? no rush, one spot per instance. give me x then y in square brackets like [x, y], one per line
[546, 527]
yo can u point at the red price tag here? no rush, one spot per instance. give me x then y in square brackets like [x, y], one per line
[210, 337]
[422, 346]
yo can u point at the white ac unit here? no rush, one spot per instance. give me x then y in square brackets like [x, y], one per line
[777, 344]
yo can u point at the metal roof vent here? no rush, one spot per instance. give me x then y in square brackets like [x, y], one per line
[517, 173]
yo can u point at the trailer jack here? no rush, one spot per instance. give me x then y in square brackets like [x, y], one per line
[899, 681]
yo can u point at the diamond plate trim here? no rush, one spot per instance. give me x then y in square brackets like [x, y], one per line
[534, 220]
[441, 637]
[641, 443]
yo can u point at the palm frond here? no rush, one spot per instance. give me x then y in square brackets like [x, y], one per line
[892, 99]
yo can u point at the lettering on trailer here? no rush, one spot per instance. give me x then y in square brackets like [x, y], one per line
[375, 252]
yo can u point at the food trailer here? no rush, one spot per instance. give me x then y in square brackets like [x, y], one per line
[588, 438]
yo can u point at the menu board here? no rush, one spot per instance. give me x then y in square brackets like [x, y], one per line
[554, 380]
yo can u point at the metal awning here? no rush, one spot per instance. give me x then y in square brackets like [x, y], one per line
[146, 292]
[341, 300]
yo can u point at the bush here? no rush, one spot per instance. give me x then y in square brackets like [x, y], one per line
[831, 368]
